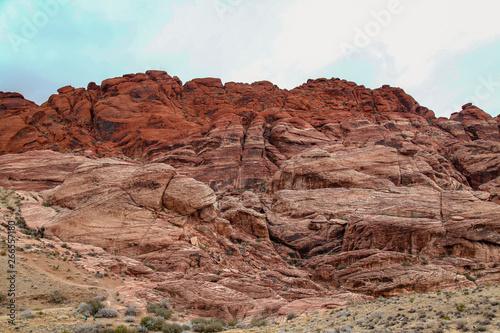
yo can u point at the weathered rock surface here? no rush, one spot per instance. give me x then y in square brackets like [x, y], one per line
[37, 170]
[239, 200]
[235, 136]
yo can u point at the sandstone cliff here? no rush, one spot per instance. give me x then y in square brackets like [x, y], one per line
[243, 199]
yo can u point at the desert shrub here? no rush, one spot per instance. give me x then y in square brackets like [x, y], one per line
[85, 309]
[460, 307]
[129, 319]
[56, 297]
[258, 323]
[46, 204]
[232, 322]
[100, 298]
[291, 316]
[131, 310]
[141, 329]
[171, 328]
[144, 320]
[153, 323]
[95, 306]
[106, 313]
[152, 307]
[164, 313]
[208, 325]
[3, 297]
[108, 330]
[3, 253]
[164, 303]
[121, 329]
[20, 222]
[92, 328]
[199, 320]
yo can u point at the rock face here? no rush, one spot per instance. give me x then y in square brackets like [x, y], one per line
[232, 136]
[240, 200]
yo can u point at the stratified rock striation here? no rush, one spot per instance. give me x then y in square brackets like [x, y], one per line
[238, 200]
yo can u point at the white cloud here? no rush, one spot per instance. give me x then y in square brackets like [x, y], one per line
[417, 33]
[400, 42]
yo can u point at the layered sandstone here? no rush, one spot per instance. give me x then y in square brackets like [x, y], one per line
[236, 199]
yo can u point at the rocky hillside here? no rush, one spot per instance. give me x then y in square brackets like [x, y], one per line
[246, 200]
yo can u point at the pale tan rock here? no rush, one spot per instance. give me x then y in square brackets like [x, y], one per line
[37, 170]
[186, 195]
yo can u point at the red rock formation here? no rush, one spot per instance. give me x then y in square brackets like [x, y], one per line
[240, 131]
[248, 199]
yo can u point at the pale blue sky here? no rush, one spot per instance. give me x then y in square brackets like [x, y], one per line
[443, 54]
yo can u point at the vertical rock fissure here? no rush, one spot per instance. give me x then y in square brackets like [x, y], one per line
[400, 172]
[152, 210]
[240, 172]
[441, 205]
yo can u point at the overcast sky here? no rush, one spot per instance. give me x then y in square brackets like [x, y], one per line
[444, 53]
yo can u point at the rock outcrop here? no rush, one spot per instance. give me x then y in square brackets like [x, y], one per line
[239, 200]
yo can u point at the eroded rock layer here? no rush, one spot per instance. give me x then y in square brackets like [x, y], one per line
[240, 200]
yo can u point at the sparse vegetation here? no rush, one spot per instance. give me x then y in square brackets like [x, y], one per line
[469, 277]
[294, 262]
[208, 325]
[259, 323]
[106, 313]
[131, 310]
[55, 297]
[232, 322]
[121, 329]
[164, 313]
[460, 307]
[92, 328]
[153, 323]
[90, 308]
[172, 328]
